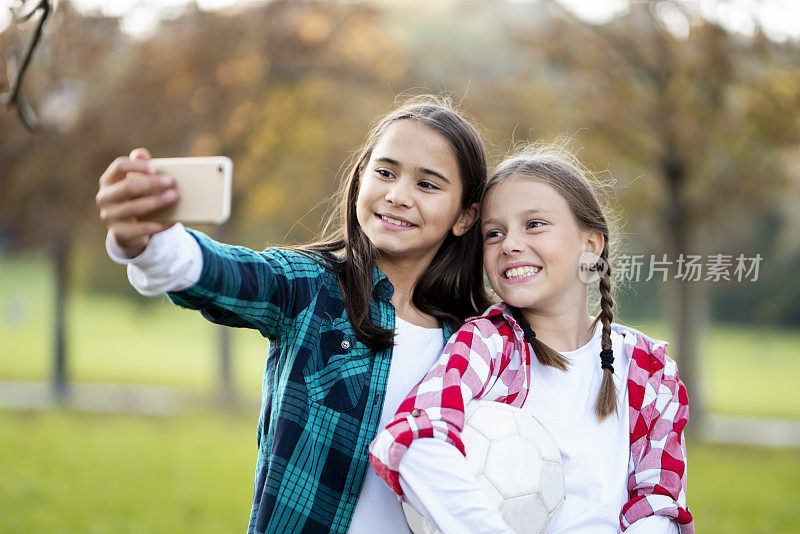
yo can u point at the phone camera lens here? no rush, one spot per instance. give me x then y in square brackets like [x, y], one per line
[220, 168]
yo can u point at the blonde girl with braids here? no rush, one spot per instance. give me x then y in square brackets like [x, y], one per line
[608, 394]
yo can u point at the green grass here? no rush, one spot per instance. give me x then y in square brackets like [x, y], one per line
[65, 472]
[72, 473]
[745, 371]
[743, 490]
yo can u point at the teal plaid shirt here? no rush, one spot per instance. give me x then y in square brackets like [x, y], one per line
[322, 391]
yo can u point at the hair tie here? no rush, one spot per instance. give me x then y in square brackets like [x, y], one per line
[530, 335]
[607, 359]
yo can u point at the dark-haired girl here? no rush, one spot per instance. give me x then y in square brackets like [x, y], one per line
[354, 321]
[608, 394]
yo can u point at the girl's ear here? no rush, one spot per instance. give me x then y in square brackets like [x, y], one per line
[466, 220]
[594, 242]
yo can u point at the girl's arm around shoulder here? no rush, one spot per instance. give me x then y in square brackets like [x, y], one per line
[469, 365]
[659, 411]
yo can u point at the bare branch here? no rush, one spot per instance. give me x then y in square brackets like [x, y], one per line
[19, 14]
[13, 96]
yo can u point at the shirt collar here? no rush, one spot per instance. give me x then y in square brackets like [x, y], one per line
[502, 309]
[382, 288]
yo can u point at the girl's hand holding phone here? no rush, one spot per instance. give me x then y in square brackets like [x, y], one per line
[130, 189]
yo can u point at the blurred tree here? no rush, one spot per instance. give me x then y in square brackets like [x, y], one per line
[46, 194]
[703, 112]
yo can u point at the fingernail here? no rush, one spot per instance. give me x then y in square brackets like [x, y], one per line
[151, 169]
[169, 195]
[165, 180]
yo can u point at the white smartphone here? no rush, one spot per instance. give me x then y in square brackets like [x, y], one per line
[204, 189]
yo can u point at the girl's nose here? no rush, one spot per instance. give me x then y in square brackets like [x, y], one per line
[511, 245]
[398, 195]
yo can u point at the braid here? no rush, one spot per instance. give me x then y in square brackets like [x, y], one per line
[607, 396]
[544, 354]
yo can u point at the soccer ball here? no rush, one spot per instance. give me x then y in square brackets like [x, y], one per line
[516, 461]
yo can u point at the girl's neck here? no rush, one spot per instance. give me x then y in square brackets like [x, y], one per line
[404, 275]
[564, 329]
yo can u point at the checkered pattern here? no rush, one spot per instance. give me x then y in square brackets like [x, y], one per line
[322, 391]
[488, 358]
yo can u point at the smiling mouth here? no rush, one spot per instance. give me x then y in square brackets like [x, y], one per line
[521, 272]
[396, 222]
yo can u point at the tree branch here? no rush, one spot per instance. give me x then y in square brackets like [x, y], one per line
[13, 97]
[19, 14]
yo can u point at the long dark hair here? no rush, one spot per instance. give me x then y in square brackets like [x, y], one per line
[556, 167]
[451, 288]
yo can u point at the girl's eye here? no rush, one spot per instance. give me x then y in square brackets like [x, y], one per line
[491, 234]
[534, 224]
[428, 185]
[385, 173]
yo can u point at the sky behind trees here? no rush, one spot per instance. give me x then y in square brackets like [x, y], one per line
[779, 19]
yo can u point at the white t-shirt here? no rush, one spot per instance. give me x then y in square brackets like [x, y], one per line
[594, 453]
[416, 348]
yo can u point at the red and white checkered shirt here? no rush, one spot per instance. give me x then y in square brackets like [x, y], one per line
[489, 359]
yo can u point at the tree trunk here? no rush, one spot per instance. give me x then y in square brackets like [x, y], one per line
[689, 321]
[688, 309]
[227, 392]
[61, 268]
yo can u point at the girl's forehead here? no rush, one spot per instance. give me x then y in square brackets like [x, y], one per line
[410, 142]
[515, 195]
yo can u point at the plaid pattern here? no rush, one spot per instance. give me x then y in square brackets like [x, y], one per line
[322, 391]
[489, 359]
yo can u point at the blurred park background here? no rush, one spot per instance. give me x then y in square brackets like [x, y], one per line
[122, 414]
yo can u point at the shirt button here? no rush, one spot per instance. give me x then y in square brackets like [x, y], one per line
[345, 344]
[415, 412]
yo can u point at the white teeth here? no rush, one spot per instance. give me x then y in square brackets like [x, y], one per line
[395, 221]
[519, 272]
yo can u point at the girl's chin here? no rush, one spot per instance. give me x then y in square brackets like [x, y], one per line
[516, 301]
[524, 299]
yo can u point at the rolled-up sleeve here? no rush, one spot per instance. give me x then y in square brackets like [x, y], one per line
[657, 483]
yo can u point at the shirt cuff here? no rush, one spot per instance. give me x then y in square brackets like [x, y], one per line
[172, 261]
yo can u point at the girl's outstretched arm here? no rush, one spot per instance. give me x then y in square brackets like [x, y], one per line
[243, 288]
[229, 285]
[660, 411]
